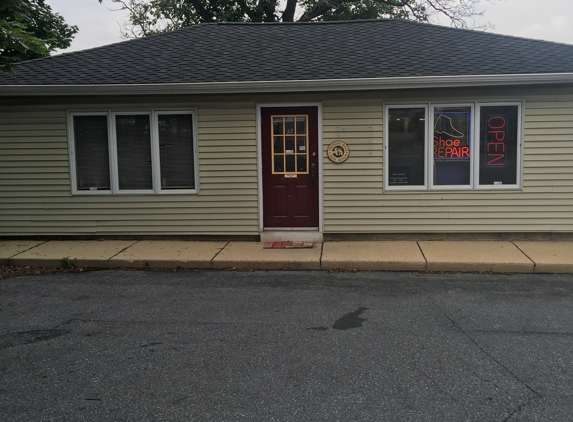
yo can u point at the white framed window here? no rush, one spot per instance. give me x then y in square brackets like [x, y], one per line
[123, 152]
[452, 146]
[90, 155]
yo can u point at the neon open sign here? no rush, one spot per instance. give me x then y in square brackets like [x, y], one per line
[495, 146]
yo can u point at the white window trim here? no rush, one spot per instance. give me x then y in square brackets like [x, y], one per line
[156, 157]
[112, 147]
[474, 147]
[72, 153]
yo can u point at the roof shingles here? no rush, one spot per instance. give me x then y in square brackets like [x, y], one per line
[230, 52]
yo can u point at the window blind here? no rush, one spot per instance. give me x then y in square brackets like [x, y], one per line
[133, 151]
[92, 152]
[176, 151]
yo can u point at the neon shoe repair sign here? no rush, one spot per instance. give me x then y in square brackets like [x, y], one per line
[451, 135]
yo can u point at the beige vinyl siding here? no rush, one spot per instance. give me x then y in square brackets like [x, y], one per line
[35, 192]
[355, 201]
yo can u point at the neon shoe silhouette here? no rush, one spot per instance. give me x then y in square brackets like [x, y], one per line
[444, 125]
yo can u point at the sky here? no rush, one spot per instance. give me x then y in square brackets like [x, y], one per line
[550, 20]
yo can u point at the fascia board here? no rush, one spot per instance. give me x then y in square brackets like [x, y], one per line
[289, 86]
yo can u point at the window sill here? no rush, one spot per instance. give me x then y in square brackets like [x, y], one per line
[131, 193]
[453, 189]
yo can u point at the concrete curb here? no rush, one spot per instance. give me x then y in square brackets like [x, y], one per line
[366, 256]
[432, 256]
[168, 255]
[475, 256]
[252, 255]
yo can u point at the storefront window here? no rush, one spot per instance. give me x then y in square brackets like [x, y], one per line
[498, 145]
[452, 146]
[406, 140]
[464, 146]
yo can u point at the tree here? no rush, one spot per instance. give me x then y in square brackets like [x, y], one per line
[29, 30]
[147, 17]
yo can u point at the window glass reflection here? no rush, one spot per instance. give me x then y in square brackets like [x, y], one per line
[451, 144]
[406, 138]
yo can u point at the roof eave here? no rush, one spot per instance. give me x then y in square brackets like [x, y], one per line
[414, 82]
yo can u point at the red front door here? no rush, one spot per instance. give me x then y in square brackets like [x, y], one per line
[290, 167]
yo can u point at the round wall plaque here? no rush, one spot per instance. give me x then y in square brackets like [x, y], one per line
[338, 152]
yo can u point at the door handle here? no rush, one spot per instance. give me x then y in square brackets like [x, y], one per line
[312, 173]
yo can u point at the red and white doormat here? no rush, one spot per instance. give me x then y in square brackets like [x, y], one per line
[288, 245]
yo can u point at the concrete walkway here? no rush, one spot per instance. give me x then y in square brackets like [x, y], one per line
[465, 256]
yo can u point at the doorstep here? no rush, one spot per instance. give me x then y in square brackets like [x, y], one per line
[252, 255]
[288, 245]
[299, 235]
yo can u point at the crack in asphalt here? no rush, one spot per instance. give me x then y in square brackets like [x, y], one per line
[22, 338]
[435, 383]
[417, 367]
[519, 409]
[539, 333]
[493, 359]
[108, 321]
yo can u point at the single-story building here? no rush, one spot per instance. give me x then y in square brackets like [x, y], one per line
[378, 128]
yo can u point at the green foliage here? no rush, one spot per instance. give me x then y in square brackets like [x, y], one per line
[366, 9]
[147, 17]
[161, 16]
[69, 263]
[29, 30]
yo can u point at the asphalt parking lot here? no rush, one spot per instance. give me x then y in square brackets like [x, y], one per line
[286, 346]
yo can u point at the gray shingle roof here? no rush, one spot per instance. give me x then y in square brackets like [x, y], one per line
[231, 52]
